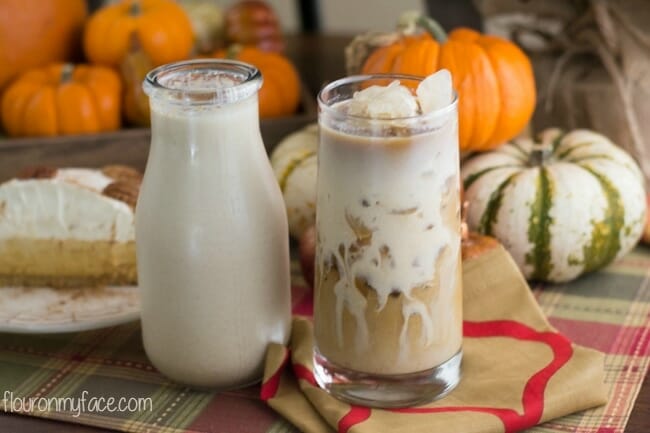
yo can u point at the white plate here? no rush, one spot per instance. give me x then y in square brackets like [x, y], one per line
[46, 310]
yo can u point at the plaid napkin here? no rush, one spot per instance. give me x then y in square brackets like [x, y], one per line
[518, 371]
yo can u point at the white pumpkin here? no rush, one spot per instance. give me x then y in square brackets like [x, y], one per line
[564, 205]
[295, 167]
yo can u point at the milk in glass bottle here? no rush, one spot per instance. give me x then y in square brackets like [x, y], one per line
[211, 228]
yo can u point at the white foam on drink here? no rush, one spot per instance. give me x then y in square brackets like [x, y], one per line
[397, 101]
[384, 102]
[395, 109]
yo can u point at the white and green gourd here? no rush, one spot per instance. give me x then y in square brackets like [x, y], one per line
[294, 163]
[563, 205]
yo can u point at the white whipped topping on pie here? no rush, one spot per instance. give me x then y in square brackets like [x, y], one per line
[84, 177]
[69, 205]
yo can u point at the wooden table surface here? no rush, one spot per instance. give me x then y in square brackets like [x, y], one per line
[319, 60]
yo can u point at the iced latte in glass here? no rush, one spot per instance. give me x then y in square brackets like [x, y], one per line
[388, 300]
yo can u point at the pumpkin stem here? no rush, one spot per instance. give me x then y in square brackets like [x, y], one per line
[540, 154]
[410, 21]
[66, 72]
[136, 8]
[433, 28]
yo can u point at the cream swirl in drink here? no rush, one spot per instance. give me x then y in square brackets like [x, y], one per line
[388, 284]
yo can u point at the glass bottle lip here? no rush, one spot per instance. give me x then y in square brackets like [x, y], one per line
[172, 83]
[327, 106]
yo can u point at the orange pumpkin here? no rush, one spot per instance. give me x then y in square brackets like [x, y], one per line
[62, 99]
[36, 32]
[162, 26]
[280, 92]
[493, 78]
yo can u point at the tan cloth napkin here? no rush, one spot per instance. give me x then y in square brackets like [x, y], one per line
[517, 370]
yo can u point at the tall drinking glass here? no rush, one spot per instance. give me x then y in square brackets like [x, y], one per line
[388, 300]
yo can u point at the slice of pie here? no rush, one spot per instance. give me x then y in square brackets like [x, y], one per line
[69, 227]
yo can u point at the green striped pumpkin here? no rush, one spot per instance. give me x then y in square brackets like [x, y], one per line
[294, 164]
[563, 205]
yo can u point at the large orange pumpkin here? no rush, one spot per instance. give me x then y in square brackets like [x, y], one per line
[280, 92]
[162, 27]
[36, 32]
[493, 78]
[62, 99]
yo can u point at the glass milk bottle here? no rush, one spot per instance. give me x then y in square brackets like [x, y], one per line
[211, 228]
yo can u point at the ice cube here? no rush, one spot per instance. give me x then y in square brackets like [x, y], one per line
[435, 91]
[384, 102]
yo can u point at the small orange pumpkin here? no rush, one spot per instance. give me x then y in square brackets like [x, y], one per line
[62, 99]
[280, 92]
[493, 78]
[162, 26]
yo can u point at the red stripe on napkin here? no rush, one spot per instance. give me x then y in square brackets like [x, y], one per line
[304, 373]
[533, 395]
[356, 415]
[270, 387]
